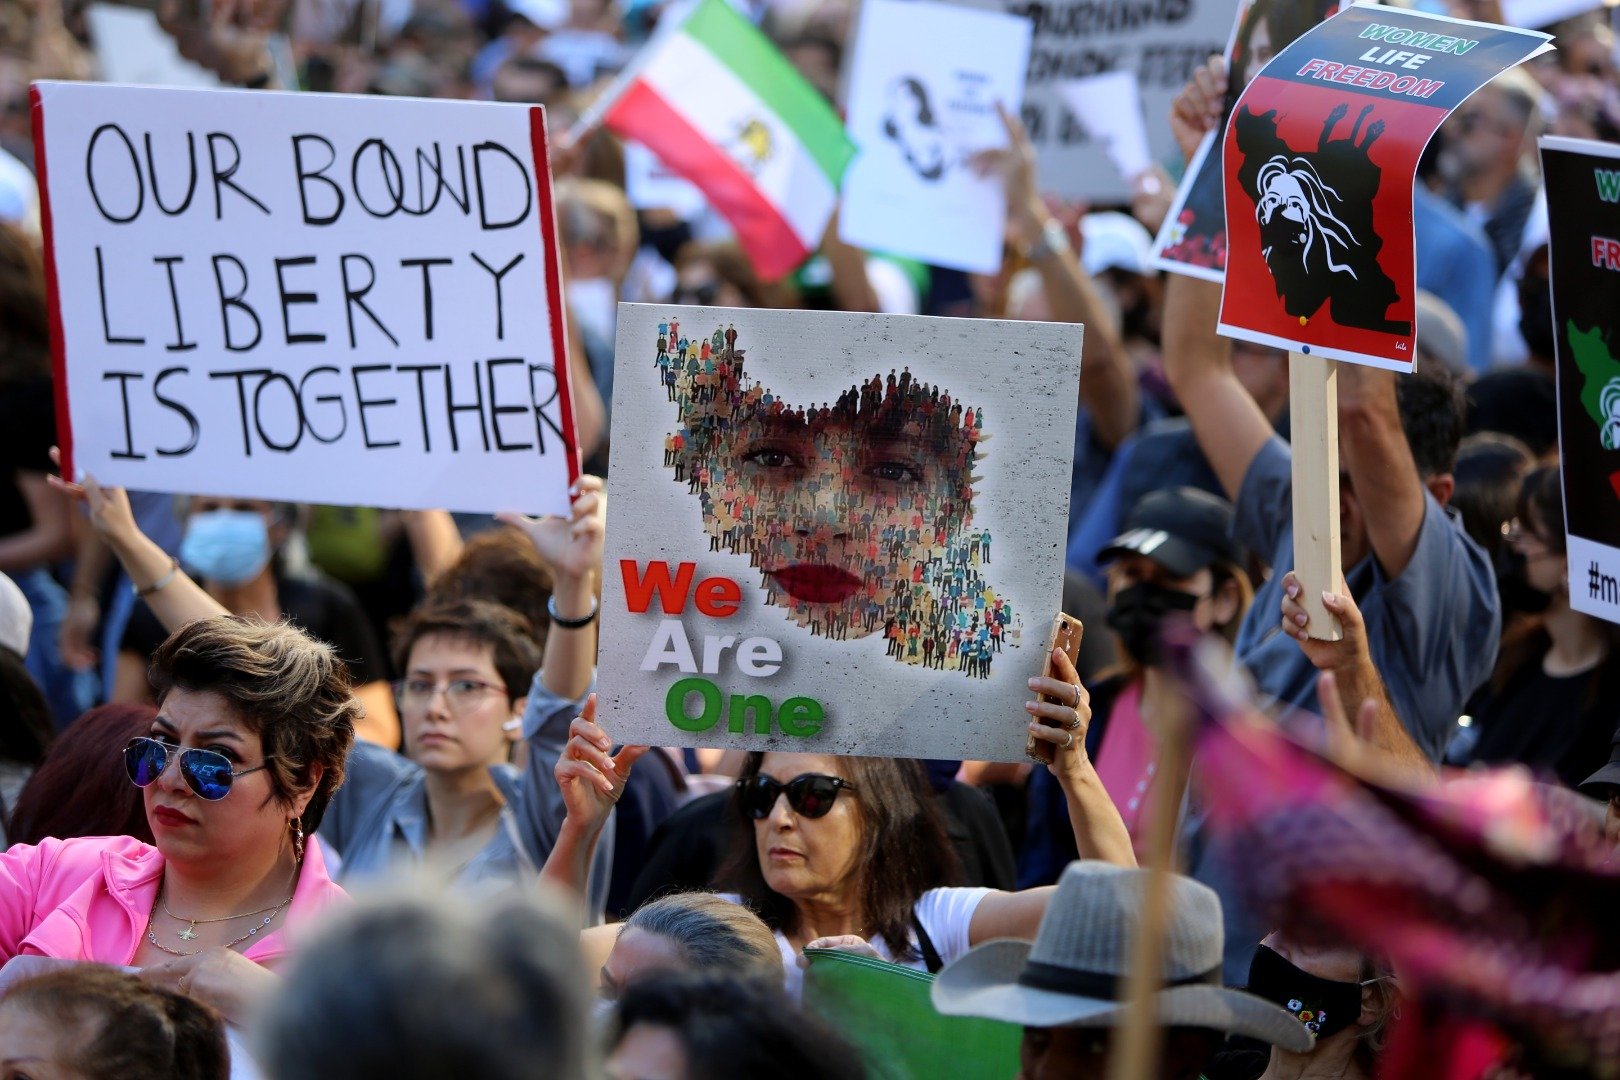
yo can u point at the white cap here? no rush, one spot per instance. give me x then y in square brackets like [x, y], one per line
[546, 14]
[16, 617]
[1115, 241]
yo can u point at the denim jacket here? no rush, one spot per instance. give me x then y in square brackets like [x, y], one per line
[377, 821]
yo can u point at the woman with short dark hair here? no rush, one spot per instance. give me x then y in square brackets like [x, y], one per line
[254, 724]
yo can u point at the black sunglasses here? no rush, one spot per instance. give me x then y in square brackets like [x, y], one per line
[207, 772]
[810, 795]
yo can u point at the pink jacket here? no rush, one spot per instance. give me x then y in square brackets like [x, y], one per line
[90, 899]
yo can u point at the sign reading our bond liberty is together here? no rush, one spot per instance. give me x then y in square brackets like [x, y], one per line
[836, 533]
[322, 298]
[1583, 216]
[1319, 157]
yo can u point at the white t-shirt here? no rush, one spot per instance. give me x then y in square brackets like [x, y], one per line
[945, 915]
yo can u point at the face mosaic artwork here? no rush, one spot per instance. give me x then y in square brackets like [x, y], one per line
[856, 513]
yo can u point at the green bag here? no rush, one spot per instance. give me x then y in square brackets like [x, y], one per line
[885, 1011]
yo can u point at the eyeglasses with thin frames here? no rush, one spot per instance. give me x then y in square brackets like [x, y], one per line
[461, 696]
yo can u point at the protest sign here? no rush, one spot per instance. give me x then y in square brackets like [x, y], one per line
[924, 85]
[1583, 215]
[1161, 42]
[305, 297]
[131, 47]
[1320, 154]
[830, 532]
[1536, 14]
[1110, 108]
[649, 184]
[1192, 239]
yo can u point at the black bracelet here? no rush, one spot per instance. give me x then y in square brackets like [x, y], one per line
[569, 624]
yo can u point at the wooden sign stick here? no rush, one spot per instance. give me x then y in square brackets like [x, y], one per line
[1137, 1044]
[1313, 402]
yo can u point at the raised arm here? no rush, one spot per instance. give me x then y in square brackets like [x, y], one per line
[1099, 831]
[1379, 460]
[1229, 425]
[851, 285]
[572, 548]
[591, 780]
[168, 590]
[1350, 676]
[1108, 387]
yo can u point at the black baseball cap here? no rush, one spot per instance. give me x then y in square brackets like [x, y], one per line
[1183, 529]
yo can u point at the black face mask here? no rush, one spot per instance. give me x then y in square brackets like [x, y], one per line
[1536, 316]
[1325, 1006]
[1513, 585]
[1137, 614]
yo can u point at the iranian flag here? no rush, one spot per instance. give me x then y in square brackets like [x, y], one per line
[715, 100]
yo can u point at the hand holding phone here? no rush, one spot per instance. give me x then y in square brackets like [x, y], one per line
[1067, 632]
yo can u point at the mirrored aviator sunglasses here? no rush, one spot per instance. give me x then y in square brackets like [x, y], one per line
[811, 795]
[206, 772]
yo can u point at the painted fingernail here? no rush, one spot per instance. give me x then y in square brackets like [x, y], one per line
[1300, 618]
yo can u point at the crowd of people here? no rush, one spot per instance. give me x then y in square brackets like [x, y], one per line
[321, 792]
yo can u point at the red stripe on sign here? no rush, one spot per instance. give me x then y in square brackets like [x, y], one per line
[555, 300]
[53, 295]
[642, 114]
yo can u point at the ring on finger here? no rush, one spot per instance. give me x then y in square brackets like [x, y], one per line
[1076, 704]
[1068, 740]
[1074, 724]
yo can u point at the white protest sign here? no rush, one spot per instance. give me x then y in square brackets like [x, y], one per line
[859, 529]
[132, 48]
[925, 81]
[650, 185]
[306, 297]
[1110, 108]
[1161, 42]
[1537, 14]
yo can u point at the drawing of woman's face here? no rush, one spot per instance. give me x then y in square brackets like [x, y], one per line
[855, 512]
[827, 492]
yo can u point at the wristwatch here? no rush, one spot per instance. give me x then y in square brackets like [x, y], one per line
[1052, 241]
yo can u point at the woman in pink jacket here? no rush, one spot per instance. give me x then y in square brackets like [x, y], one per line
[254, 725]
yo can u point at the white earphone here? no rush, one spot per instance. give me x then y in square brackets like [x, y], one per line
[512, 724]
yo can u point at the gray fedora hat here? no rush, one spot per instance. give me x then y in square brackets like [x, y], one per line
[1074, 974]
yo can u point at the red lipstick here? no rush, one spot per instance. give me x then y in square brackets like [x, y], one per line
[816, 583]
[171, 819]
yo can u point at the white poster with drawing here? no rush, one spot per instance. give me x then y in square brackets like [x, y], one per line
[925, 82]
[833, 532]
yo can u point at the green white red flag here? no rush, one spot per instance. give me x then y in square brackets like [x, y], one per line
[716, 101]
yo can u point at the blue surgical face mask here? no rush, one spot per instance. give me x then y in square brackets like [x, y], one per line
[228, 547]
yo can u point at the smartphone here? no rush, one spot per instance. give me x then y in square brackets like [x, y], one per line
[1066, 634]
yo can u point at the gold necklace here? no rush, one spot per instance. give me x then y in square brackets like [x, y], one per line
[188, 933]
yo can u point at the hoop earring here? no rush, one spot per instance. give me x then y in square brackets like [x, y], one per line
[297, 826]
